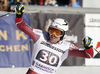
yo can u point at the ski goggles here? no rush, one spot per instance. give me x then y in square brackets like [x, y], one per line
[56, 32]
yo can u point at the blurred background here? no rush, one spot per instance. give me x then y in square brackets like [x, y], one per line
[16, 47]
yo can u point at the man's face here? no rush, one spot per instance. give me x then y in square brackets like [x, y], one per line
[55, 35]
[54, 39]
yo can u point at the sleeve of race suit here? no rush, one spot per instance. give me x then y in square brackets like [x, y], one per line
[75, 51]
[20, 23]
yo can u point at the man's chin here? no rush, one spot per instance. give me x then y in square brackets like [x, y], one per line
[52, 41]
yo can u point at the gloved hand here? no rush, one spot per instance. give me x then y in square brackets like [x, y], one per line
[87, 42]
[19, 9]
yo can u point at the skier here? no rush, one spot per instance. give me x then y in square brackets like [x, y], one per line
[50, 50]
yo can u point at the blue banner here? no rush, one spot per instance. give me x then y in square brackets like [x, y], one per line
[15, 46]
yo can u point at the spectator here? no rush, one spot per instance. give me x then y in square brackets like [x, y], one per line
[25, 2]
[63, 2]
[4, 4]
[1, 3]
[51, 2]
[35, 2]
[68, 3]
[11, 2]
[41, 2]
[73, 3]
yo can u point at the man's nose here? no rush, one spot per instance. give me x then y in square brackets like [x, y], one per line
[53, 34]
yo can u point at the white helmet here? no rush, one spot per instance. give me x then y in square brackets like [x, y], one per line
[60, 24]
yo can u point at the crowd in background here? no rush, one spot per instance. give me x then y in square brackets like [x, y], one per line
[5, 4]
[66, 3]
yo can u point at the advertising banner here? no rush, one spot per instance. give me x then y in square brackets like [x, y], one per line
[14, 44]
[92, 29]
[75, 34]
[92, 20]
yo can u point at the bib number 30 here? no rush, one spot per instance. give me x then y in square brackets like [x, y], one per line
[48, 57]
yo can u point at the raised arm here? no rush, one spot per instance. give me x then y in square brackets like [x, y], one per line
[87, 52]
[20, 23]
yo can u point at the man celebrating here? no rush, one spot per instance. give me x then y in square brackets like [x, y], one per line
[50, 50]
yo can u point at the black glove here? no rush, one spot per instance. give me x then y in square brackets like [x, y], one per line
[20, 9]
[87, 42]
